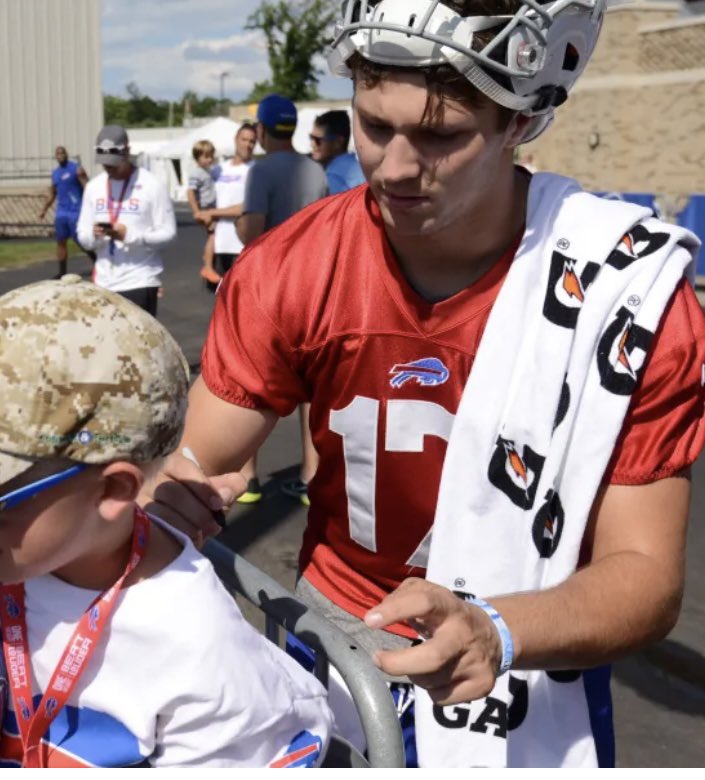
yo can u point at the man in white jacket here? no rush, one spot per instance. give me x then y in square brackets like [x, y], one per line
[126, 217]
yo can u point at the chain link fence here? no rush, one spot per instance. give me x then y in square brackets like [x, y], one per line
[19, 216]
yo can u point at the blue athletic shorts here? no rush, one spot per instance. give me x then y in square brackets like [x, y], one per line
[65, 226]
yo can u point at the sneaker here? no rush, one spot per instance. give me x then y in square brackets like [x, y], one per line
[296, 488]
[253, 494]
[210, 275]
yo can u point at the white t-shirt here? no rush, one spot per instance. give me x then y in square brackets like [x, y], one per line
[229, 191]
[148, 215]
[179, 678]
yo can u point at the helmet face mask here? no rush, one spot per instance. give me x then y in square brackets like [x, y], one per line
[529, 65]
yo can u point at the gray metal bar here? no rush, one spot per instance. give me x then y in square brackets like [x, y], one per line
[366, 684]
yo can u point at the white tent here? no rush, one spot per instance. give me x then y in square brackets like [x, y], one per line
[177, 155]
[172, 160]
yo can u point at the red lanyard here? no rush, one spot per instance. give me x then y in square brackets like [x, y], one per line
[76, 657]
[114, 213]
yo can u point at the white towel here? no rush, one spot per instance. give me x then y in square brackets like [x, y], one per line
[535, 429]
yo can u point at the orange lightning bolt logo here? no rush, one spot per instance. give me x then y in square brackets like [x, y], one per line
[571, 283]
[517, 464]
[622, 356]
[629, 244]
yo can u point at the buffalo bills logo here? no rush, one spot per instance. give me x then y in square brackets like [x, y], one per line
[637, 243]
[428, 372]
[93, 618]
[25, 710]
[621, 353]
[11, 607]
[567, 285]
[50, 706]
[515, 473]
[303, 751]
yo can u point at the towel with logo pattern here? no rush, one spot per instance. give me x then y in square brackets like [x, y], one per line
[561, 354]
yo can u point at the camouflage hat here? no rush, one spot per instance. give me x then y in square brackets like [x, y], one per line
[85, 375]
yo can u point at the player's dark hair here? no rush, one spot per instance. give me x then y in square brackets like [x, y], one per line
[335, 123]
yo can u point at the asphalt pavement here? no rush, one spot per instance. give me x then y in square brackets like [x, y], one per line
[659, 694]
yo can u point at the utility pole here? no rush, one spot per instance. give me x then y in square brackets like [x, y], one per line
[222, 76]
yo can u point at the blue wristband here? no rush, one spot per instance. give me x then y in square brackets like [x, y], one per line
[505, 635]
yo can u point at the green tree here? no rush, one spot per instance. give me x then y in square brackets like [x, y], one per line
[140, 110]
[296, 32]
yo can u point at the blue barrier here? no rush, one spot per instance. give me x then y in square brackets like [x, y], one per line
[691, 217]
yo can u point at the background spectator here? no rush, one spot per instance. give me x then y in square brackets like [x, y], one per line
[68, 180]
[329, 146]
[127, 216]
[201, 197]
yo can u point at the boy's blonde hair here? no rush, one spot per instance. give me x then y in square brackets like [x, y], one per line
[202, 147]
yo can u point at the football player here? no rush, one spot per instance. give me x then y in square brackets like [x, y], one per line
[372, 306]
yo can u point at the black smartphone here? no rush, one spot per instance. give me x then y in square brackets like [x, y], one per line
[104, 225]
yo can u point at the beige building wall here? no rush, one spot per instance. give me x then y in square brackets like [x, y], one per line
[50, 78]
[636, 120]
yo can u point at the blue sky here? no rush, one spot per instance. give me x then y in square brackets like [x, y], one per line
[168, 46]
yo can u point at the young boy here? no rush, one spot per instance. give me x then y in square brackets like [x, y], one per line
[201, 197]
[121, 646]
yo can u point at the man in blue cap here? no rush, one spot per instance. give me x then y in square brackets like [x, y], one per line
[284, 181]
[278, 186]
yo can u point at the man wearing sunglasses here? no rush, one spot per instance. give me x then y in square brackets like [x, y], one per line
[127, 217]
[329, 146]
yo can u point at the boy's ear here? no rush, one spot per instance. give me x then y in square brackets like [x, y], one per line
[122, 482]
[515, 130]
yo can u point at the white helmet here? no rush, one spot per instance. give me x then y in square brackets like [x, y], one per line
[539, 51]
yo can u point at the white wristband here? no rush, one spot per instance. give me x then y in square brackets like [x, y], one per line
[505, 635]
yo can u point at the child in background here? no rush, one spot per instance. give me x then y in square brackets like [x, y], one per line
[121, 645]
[201, 197]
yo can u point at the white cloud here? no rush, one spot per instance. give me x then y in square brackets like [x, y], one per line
[241, 47]
[166, 72]
[169, 46]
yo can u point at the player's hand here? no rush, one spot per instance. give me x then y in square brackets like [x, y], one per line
[181, 494]
[460, 658]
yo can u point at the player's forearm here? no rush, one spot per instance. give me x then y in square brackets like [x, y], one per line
[209, 416]
[611, 608]
[231, 212]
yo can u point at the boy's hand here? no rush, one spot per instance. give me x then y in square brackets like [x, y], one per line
[460, 658]
[181, 494]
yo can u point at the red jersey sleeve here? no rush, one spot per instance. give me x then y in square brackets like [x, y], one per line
[246, 358]
[664, 430]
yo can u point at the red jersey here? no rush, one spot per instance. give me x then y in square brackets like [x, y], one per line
[318, 310]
